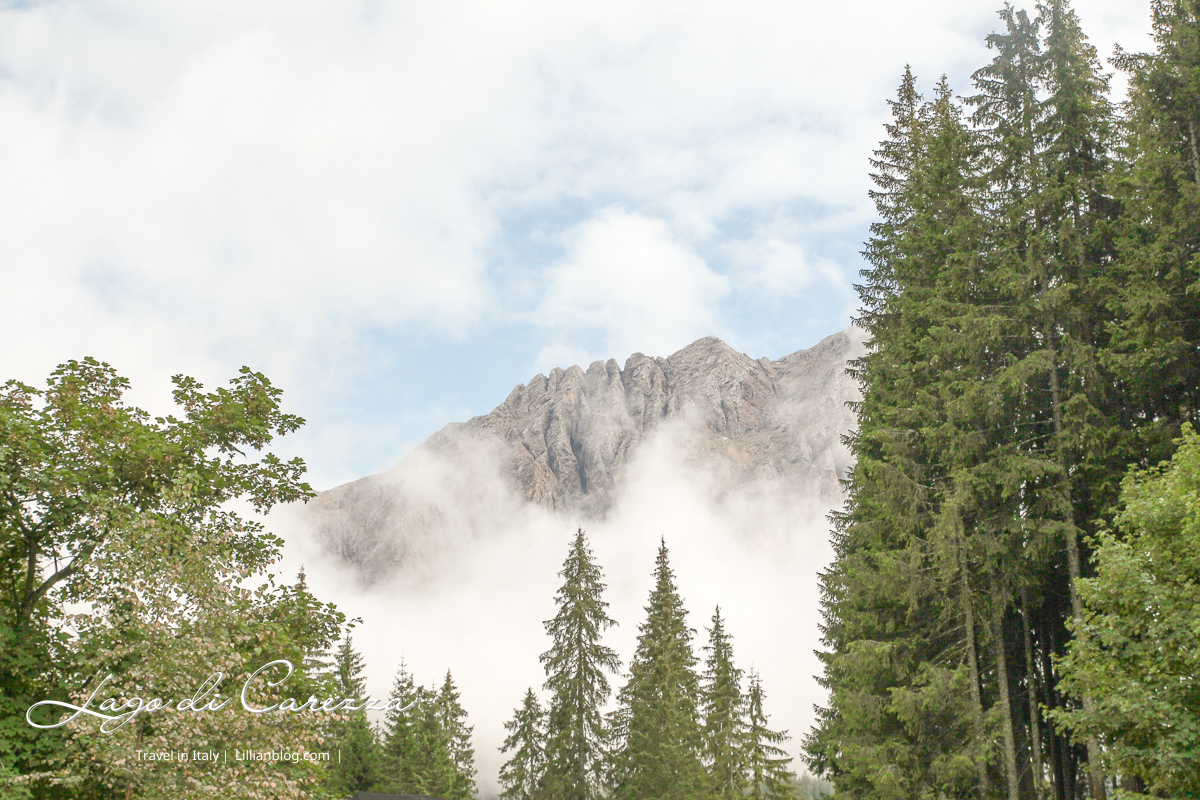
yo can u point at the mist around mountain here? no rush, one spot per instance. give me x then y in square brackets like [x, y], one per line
[568, 442]
[451, 558]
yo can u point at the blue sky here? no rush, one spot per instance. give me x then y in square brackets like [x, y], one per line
[398, 211]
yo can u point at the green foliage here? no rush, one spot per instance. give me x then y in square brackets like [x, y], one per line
[130, 517]
[897, 602]
[1140, 652]
[993, 429]
[399, 735]
[427, 745]
[357, 768]
[432, 767]
[522, 776]
[453, 720]
[576, 676]
[658, 720]
[768, 776]
[721, 704]
[359, 765]
[1157, 181]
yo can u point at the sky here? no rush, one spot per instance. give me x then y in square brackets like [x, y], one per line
[398, 211]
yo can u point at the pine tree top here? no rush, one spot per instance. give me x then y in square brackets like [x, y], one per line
[665, 629]
[348, 668]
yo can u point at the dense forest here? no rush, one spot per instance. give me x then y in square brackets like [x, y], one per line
[1012, 609]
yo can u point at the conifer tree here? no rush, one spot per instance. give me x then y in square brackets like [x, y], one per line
[452, 718]
[1157, 312]
[576, 676]
[1025, 308]
[432, 771]
[1063, 232]
[721, 706]
[358, 766]
[309, 629]
[398, 734]
[767, 773]
[658, 718]
[522, 776]
[348, 668]
[897, 648]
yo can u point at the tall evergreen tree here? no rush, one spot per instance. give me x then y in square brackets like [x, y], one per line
[522, 776]
[721, 706]
[576, 676]
[358, 765]
[898, 652]
[1156, 309]
[1024, 308]
[1060, 231]
[767, 773]
[658, 719]
[348, 668]
[398, 734]
[432, 771]
[453, 720]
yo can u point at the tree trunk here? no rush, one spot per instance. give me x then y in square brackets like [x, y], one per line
[1058, 748]
[133, 761]
[1035, 735]
[985, 790]
[1095, 768]
[1195, 149]
[1010, 745]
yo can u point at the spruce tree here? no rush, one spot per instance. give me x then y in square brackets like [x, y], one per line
[576, 676]
[398, 734]
[358, 765]
[432, 770]
[1034, 327]
[767, 773]
[452, 718]
[1065, 235]
[898, 600]
[658, 718]
[522, 776]
[721, 706]
[348, 668]
[1157, 311]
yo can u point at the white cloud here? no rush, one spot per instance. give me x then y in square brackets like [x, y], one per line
[626, 275]
[775, 264]
[190, 186]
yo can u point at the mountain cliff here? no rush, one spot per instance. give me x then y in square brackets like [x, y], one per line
[565, 442]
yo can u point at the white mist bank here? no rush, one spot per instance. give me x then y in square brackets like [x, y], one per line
[479, 608]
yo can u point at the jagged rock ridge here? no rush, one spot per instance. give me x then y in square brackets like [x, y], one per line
[565, 441]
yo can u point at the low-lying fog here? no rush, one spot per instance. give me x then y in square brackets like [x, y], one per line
[756, 550]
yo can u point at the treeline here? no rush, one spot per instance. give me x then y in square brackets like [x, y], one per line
[1033, 305]
[677, 731]
[423, 747]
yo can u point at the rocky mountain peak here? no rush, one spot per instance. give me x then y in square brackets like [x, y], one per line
[565, 441]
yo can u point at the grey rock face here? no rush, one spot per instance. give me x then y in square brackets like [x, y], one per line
[564, 442]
